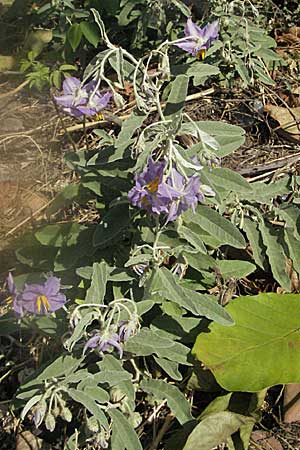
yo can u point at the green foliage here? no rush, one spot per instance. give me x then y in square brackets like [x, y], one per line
[140, 288]
[266, 330]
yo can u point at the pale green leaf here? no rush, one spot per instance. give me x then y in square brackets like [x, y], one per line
[96, 291]
[177, 402]
[215, 429]
[124, 429]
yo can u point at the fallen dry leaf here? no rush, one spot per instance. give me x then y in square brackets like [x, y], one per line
[28, 441]
[288, 118]
[291, 403]
[264, 441]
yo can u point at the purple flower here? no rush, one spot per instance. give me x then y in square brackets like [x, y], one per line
[128, 328]
[42, 298]
[81, 100]
[14, 296]
[198, 40]
[103, 342]
[188, 193]
[150, 191]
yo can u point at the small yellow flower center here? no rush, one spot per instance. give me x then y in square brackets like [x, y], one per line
[42, 300]
[201, 54]
[9, 300]
[98, 116]
[153, 185]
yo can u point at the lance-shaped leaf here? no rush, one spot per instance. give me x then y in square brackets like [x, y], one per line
[261, 350]
[164, 283]
[177, 402]
[273, 242]
[176, 100]
[96, 291]
[216, 225]
[121, 427]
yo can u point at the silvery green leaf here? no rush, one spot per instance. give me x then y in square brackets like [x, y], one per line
[183, 161]
[33, 401]
[235, 268]
[79, 330]
[272, 240]
[293, 248]
[170, 367]
[216, 225]
[138, 259]
[90, 404]
[291, 214]
[205, 305]
[149, 342]
[176, 101]
[177, 402]
[229, 180]
[96, 292]
[258, 248]
[192, 237]
[122, 427]
[229, 137]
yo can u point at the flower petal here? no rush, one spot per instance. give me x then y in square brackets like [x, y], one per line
[52, 286]
[191, 29]
[70, 85]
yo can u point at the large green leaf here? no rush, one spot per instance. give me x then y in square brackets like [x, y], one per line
[215, 429]
[261, 350]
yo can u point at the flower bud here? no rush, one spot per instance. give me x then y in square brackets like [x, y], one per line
[92, 424]
[50, 422]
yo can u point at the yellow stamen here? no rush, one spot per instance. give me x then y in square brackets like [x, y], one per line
[201, 54]
[42, 300]
[9, 300]
[98, 116]
[153, 185]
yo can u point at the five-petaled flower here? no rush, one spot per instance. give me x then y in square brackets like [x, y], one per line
[42, 298]
[104, 341]
[188, 193]
[171, 196]
[80, 100]
[198, 40]
[150, 191]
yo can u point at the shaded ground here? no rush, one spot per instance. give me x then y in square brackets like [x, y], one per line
[31, 164]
